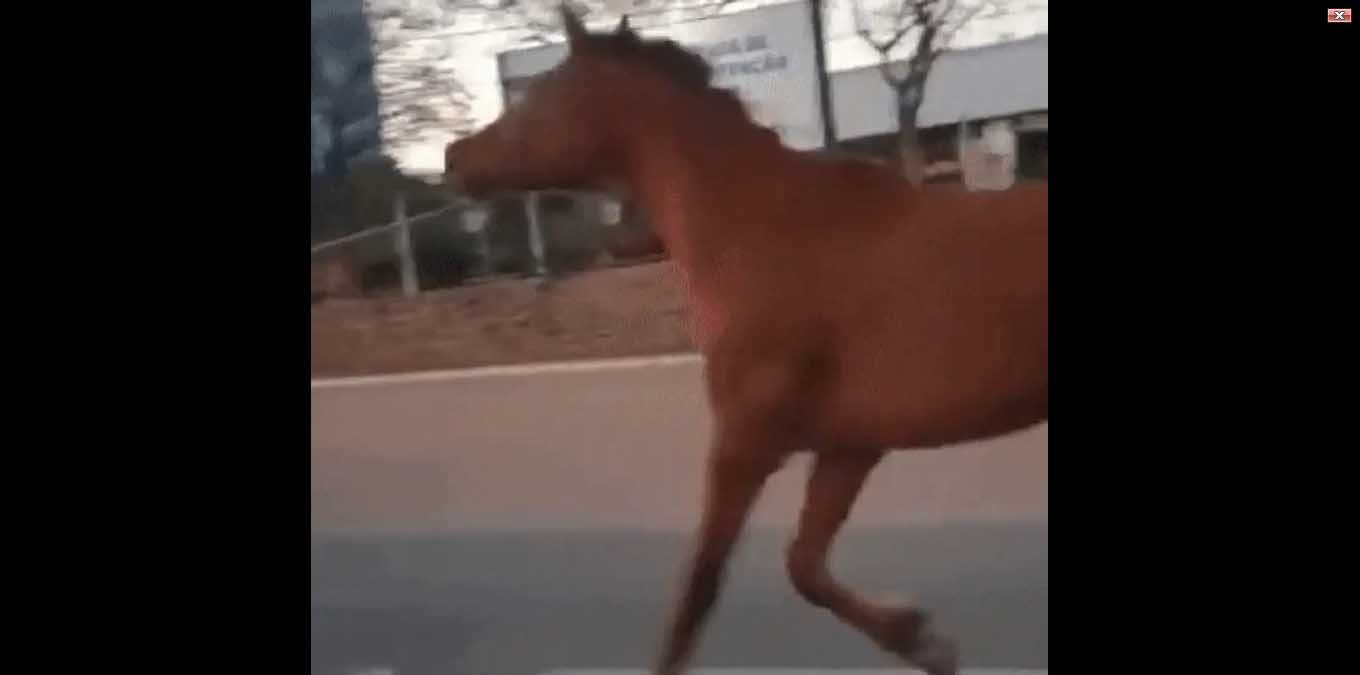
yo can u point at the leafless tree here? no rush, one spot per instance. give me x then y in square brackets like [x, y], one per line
[541, 19]
[931, 25]
[422, 100]
[421, 97]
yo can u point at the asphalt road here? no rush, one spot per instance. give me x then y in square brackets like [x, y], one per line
[522, 604]
[516, 522]
[613, 447]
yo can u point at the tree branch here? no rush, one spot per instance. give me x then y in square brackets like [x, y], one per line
[862, 28]
[938, 21]
[947, 38]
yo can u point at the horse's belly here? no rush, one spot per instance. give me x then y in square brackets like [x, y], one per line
[884, 418]
[920, 399]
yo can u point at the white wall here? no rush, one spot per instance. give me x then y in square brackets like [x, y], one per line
[987, 81]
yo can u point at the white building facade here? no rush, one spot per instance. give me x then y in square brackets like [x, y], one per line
[765, 55]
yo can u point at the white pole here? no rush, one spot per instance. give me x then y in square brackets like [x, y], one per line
[535, 234]
[475, 223]
[409, 283]
[484, 242]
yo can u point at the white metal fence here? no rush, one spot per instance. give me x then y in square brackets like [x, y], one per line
[461, 219]
[985, 160]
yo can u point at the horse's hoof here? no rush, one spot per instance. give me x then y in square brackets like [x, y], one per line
[910, 636]
[936, 655]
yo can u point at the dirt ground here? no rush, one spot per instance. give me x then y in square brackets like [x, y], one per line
[624, 311]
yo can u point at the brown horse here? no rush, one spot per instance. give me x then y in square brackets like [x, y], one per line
[839, 309]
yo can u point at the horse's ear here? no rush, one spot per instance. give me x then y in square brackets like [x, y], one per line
[623, 26]
[576, 31]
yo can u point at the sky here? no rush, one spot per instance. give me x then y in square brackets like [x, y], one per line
[474, 49]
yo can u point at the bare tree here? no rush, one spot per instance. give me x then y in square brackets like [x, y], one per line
[931, 24]
[343, 103]
[421, 98]
[540, 19]
[342, 112]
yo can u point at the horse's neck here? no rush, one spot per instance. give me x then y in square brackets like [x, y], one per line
[684, 183]
[672, 199]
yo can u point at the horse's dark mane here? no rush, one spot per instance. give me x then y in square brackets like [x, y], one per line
[665, 56]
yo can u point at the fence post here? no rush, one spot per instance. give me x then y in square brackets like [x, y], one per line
[535, 234]
[410, 285]
[484, 246]
[475, 223]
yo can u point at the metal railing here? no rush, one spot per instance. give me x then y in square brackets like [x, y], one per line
[474, 216]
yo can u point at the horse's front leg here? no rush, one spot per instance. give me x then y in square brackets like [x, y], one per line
[738, 465]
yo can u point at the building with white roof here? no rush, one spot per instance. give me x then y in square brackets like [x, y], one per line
[1000, 80]
[1002, 87]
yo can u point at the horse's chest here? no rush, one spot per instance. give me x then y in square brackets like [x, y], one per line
[709, 308]
[729, 301]
[708, 318]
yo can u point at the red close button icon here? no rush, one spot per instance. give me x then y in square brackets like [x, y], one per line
[1338, 16]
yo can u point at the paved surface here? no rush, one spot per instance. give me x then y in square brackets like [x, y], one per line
[522, 604]
[518, 522]
[793, 671]
[614, 447]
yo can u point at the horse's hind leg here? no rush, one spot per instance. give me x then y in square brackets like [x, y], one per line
[736, 471]
[834, 485]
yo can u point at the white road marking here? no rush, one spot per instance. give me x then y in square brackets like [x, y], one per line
[518, 370]
[797, 671]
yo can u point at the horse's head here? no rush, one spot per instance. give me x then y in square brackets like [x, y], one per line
[572, 126]
[558, 135]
